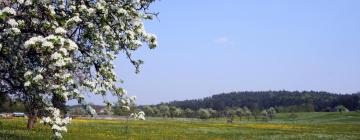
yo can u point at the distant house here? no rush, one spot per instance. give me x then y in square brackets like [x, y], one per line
[18, 114]
[100, 110]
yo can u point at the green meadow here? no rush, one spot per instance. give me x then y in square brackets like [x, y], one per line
[306, 126]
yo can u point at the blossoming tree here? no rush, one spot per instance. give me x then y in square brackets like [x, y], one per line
[52, 51]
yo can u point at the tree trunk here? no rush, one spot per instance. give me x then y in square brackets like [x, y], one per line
[31, 121]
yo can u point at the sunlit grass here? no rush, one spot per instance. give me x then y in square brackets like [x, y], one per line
[307, 126]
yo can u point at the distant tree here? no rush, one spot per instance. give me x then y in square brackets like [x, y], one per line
[156, 111]
[256, 114]
[230, 113]
[247, 112]
[77, 111]
[240, 112]
[171, 111]
[188, 113]
[341, 109]
[271, 112]
[174, 111]
[149, 111]
[213, 113]
[264, 115]
[204, 114]
[7, 105]
[177, 112]
[121, 110]
[164, 111]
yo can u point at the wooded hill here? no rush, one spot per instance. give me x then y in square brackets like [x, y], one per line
[283, 101]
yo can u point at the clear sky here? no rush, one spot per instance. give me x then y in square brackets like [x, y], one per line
[208, 47]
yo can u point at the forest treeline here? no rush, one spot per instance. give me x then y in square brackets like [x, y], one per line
[282, 101]
[261, 105]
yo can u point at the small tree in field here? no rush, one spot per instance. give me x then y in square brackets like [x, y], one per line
[174, 112]
[52, 51]
[204, 114]
[231, 114]
[213, 113]
[264, 115]
[188, 113]
[240, 112]
[247, 112]
[178, 112]
[164, 111]
[271, 112]
[149, 110]
[341, 109]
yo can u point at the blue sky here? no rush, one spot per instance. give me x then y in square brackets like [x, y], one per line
[208, 47]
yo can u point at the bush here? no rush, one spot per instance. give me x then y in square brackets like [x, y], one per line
[204, 114]
[341, 109]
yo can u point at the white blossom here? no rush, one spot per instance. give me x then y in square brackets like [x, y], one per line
[141, 115]
[9, 11]
[67, 75]
[121, 11]
[27, 73]
[55, 127]
[91, 10]
[48, 44]
[58, 135]
[12, 23]
[75, 19]
[138, 116]
[126, 107]
[55, 56]
[68, 60]
[63, 51]
[27, 83]
[35, 20]
[20, 1]
[72, 45]
[65, 95]
[45, 120]
[33, 40]
[55, 86]
[14, 30]
[60, 30]
[132, 98]
[51, 9]
[38, 77]
[60, 63]
[28, 2]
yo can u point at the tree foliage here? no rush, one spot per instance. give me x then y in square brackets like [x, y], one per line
[65, 48]
[204, 114]
[341, 109]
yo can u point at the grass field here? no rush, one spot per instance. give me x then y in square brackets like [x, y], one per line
[307, 126]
